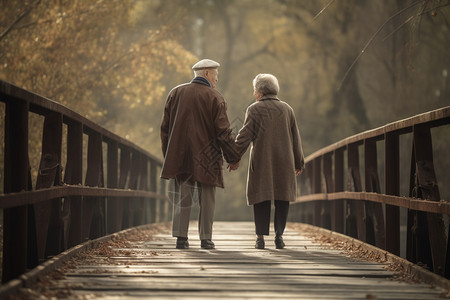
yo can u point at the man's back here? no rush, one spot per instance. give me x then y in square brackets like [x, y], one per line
[193, 124]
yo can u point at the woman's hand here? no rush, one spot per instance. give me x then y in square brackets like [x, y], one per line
[233, 167]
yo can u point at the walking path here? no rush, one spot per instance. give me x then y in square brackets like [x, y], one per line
[147, 265]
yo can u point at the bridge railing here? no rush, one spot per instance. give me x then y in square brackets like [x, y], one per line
[69, 204]
[332, 194]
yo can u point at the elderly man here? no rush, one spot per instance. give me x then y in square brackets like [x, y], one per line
[195, 132]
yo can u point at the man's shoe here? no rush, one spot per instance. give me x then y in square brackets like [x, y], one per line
[182, 243]
[207, 244]
[279, 243]
[259, 243]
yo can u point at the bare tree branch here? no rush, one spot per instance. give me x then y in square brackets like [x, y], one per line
[372, 38]
[20, 17]
[322, 10]
[253, 55]
[398, 28]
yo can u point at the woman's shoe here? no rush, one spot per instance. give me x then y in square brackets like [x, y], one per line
[279, 243]
[259, 243]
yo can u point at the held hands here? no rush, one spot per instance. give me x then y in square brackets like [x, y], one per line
[233, 167]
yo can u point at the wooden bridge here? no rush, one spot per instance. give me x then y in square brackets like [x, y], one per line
[143, 263]
[120, 189]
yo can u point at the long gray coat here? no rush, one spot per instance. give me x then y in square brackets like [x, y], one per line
[276, 151]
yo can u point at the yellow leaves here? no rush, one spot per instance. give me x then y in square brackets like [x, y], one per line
[99, 113]
[81, 53]
[158, 93]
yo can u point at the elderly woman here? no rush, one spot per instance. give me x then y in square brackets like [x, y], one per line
[276, 157]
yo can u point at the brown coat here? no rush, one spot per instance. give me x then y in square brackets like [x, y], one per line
[276, 150]
[195, 131]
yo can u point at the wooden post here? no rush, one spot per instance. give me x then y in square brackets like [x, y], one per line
[93, 207]
[392, 184]
[328, 174]
[125, 166]
[136, 204]
[15, 180]
[144, 185]
[357, 213]
[48, 228]
[153, 212]
[316, 184]
[337, 222]
[114, 204]
[432, 229]
[375, 215]
[74, 175]
[307, 209]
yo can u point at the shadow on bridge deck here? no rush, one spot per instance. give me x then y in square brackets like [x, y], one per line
[144, 264]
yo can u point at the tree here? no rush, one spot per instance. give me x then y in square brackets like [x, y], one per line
[114, 61]
[92, 57]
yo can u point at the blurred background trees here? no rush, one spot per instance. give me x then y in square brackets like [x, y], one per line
[344, 66]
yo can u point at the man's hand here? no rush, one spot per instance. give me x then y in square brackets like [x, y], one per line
[298, 172]
[233, 167]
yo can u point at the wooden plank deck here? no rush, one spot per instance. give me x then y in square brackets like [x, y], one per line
[153, 268]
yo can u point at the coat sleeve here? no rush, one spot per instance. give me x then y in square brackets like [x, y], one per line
[297, 145]
[165, 127]
[225, 136]
[247, 133]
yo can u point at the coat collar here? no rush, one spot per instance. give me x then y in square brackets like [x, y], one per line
[269, 97]
[201, 80]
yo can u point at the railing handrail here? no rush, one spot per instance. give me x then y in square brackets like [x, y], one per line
[436, 116]
[338, 199]
[13, 91]
[441, 207]
[32, 197]
[63, 210]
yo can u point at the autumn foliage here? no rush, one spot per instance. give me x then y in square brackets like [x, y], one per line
[90, 56]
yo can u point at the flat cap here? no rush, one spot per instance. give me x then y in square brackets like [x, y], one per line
[205, 64]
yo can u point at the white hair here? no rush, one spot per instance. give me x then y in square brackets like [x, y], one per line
[267, 84]
[200, 73]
